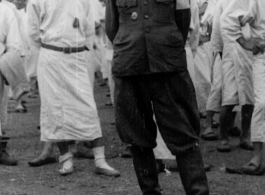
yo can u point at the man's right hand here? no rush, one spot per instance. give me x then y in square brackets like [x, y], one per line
[251, 45]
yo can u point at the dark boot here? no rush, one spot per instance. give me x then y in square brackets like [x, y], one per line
[5, 158]
[192, 173]
[145, 169]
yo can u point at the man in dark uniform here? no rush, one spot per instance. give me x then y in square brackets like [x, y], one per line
[151, 79]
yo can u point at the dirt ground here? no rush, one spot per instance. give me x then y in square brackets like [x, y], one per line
[25, 180]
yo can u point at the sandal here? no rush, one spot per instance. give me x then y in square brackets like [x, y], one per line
[210, 136]
[63, 171]
[223, 147]
[246, 146]
[21, 110]
[248, 169]
[215, 124]
[62, 159]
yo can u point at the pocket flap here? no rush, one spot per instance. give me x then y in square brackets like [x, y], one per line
[126, 3]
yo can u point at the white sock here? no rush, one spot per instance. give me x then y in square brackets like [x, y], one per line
[67, 160]
[99, 156]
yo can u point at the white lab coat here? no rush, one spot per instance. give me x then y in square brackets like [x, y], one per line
[10, 56]
[236, 68]
[214, 101]
[68, 109]
[255, 17]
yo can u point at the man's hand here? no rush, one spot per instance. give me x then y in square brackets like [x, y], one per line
[203, 39]
[252, 45]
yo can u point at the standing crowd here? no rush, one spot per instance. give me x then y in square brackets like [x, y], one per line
[167, 63]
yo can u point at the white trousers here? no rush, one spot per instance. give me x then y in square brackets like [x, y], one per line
[258, 117]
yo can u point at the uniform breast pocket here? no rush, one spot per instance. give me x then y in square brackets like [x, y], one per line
[164, 9]
[126, 6]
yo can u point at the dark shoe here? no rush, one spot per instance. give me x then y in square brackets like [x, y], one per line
[40, 162]
[192, 173]
[146, 171]
[223, 147]
[6, 159]
[209, 136]
[215, 124]
[108, 104]
[248, 169]
[107, 172]
[207, 167]
[246, 146]
[21, 110]
[32, 96]
[127, 153]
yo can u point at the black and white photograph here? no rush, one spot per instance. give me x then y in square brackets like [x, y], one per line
[132, 97]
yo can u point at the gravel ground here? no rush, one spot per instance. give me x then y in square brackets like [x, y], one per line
[25, 180]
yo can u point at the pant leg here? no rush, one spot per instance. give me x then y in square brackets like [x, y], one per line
[214, 100]
[133, 111]
[177, 117]
[258, 118]
[176, 111]
[145, 169]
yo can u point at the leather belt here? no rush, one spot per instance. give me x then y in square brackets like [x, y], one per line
[66, 50]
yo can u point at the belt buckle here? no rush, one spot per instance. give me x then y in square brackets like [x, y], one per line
[67, 50]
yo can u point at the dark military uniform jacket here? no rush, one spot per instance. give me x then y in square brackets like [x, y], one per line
[145, 36]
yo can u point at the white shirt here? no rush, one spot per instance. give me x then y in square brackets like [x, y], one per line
[255, 15]
[231, 28]
[194, 32]
[210, 11]
[98, 11]
[216, 38]
[52, 22]
[9, 32]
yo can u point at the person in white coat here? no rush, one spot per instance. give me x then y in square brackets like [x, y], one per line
[237, 78]
[10, 67]
[214, 100]
[68, 109]
[255, 17]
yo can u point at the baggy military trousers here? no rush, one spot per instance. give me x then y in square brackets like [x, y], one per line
[168, 96]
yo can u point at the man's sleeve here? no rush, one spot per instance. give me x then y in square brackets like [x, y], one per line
[112, 19]
[194, 28]
[34, 19]
[183, 17]
[90, 29]
[13, 37]
[229, 23]
[250, 16]
[216, 38]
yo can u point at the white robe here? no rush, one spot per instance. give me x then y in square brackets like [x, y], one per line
[10, 51]
[214, 101]
[68, 109]
[254, 15]
[236, 68]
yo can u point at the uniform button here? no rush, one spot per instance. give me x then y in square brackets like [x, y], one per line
[134, 16]
[146, 16]
[145, 2]
[147, 30]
